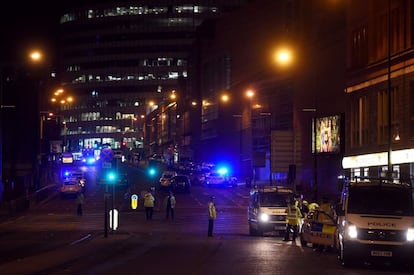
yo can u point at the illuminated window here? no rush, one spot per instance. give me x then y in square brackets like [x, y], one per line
[355, 172]
[359, 121]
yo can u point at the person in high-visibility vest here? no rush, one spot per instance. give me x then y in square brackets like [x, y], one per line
[326, 213]
[169, 205]
[313, 206]
[212, 215]
[149, 205]
[293, 218]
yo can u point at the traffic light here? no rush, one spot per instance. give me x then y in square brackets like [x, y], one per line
[123, 144]
[111, 176]
[152, 171]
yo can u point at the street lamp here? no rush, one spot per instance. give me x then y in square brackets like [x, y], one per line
[269, 115]
[389, 172]
[240, 117]
[283, 57]
[250, 95]
[315, 159]
[36, 56]
[59, 96]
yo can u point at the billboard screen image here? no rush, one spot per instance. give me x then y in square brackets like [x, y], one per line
[328, 134]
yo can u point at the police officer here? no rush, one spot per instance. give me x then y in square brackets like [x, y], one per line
[302, 205]
[169, 204]
[212, 215]
[292, 220]
[149, 205]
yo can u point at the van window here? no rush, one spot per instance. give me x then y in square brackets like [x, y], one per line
[273, 199]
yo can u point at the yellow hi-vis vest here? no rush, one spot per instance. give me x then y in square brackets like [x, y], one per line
[212, 214]
[148, 200]
[293, 215]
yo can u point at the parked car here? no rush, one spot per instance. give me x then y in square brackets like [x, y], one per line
[70, 187]
[197, 177]
[316, 231]
[181, 183]
[165, 180]
[217, 179]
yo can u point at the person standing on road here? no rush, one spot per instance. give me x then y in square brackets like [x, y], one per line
[169, 204]
[212, 215]
[292, 221]
[149, 205]
[80, 199]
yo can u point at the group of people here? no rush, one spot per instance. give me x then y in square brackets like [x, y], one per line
[297, 210]
[169, 203]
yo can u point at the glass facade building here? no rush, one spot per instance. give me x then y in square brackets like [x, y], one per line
[121, 61]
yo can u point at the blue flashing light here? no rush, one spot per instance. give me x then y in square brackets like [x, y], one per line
[90, 160]
[66, 174]
[223, 170]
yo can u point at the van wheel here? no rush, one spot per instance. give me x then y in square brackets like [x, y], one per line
[255, 232]
[252, 231]
[344, 257]
[303, 242]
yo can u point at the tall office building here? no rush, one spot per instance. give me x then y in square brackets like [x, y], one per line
[120, 60]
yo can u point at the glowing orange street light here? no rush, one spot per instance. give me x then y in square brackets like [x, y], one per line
[35, 56]
[58, 92]
[283, 56]
[173, 95]
[225, 98]
[250, 93]
[58, 96]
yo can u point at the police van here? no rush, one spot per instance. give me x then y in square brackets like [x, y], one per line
[267, 209]
[375, 222]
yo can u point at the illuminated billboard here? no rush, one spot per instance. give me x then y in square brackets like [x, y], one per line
[327, 134]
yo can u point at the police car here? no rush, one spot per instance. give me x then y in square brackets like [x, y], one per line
[70, 187]
[318, 229]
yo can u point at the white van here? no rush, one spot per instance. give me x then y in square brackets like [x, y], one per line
[375, 222]
[267, 209]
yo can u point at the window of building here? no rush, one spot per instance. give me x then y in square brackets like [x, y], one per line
[359, 50]
[382, 117]
[383, 114]
[411, 109]
[359, 121]
[355, 172]
[389, 27]
[366, 172]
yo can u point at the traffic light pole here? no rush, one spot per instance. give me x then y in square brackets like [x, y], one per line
[106, 212]
[113, 207]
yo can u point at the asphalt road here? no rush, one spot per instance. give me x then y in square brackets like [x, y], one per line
[52, 239]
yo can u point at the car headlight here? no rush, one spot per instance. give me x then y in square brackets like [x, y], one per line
[352, 231]
[264, 217]
[410, 234]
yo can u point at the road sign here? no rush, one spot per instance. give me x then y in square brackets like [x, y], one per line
[107, 154]
[107, 165]
[113, 219]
